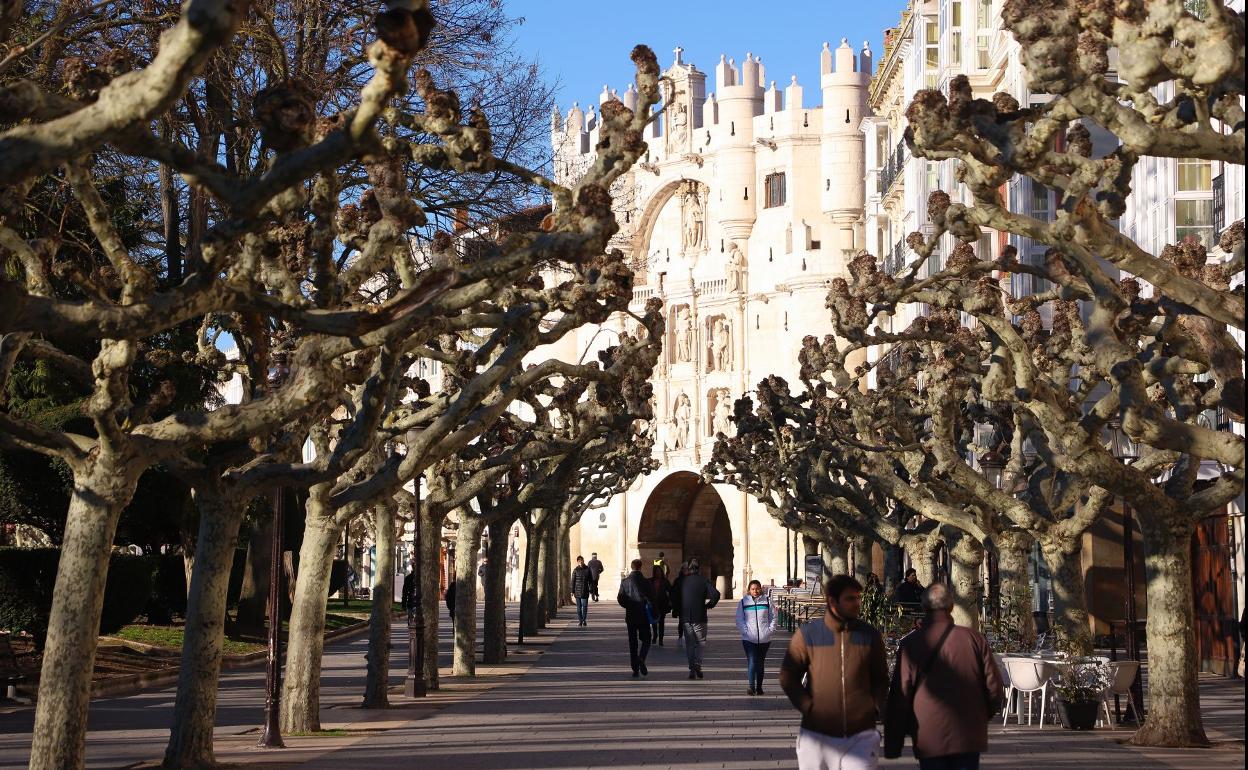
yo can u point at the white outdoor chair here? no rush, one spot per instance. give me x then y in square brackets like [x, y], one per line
[1027, 675]
[1122, 675]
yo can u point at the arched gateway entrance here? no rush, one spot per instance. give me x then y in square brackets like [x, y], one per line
[685, 518]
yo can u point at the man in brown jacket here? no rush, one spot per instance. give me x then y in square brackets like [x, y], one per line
[846, 674]
[947, 672]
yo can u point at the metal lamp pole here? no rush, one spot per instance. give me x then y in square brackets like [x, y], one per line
[414, 684]
[272, 737]
[1123, 448]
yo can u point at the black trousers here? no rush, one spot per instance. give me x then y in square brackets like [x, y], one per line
[638, 643]
[656, 629]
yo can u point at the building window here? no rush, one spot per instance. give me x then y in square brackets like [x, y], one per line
[1040, 208]
[1195, 175]
[955, 33]
[983, 33]
[773, 190]
[1194, 218]
[931, 54]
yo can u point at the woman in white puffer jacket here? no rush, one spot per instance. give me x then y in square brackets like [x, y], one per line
[756, 622]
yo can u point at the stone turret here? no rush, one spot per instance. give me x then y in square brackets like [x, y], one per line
[844, 86]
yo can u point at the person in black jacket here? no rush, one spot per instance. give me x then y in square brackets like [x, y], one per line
[595, 571]
[582, 584]
[697, 595]
[674, 596]
[450, 598]
[662, 603]
[637, 599]
[909, 591]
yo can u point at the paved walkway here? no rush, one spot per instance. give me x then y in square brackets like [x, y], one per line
[576, 706]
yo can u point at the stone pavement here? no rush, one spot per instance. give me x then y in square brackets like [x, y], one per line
[576, 706]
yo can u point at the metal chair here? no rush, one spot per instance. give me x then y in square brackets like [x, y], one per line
[1027, 675]
[1122, 676]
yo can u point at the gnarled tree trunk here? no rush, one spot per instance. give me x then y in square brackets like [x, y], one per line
[529, 605]
[862, 558]
[1013, 550]
[542, 577]
[254, 596]
[1070, 603]
[431, 592]
[495, 626]
[1173, 672]
[922, 552]
[835, 557]
[966, 556]
[301, 684]
[377, 678]
[195, 707]
[467, 543]
[101, 489]
[892, 568]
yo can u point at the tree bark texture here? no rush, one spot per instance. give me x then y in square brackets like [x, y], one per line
[301, 684]
[377, 678]
[1173, 668]
[254, 595]
[835, 557]
[892, 568]
[467, 544]
[862, 559]
[195, 706]
[922, 553]
[540, 584]
[1016, 598]
[1070, 603]
[495, 627]
[431, 592]
[101, 490]
[563, 572]
[551, 582]
[528, 583]
[966, 557]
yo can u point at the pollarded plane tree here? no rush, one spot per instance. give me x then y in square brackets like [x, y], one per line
[484, 378]
[237, 269]
[1159, 326]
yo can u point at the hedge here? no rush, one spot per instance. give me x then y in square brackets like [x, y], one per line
[28, 575]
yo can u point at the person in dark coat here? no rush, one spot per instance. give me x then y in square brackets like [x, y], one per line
[582, 580]
[697, 595]
[909, 591]
[450, 598]
[674, 595]
[595, 570]
[637, 599]
[409, 590]
[947, 674]
[662, 603]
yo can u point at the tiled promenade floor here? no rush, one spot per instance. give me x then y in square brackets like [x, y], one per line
[576, 706]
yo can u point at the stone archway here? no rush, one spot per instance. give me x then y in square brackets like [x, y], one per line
[685, 518]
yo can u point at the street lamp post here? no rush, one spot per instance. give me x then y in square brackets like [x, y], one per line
[1125, 450]
[414, 684]
[272, 736]
[992, 465]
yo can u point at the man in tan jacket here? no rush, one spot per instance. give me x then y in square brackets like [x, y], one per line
[842, 659]
[948, 675]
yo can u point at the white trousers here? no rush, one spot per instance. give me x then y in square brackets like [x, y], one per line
[816, 751]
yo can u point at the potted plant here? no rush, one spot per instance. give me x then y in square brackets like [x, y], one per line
[1078, 687]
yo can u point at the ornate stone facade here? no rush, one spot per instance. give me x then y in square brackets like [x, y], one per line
[745, 208]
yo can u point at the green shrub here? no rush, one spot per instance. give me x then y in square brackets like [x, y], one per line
[27, 577]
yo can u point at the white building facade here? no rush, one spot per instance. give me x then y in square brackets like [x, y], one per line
[748, 203]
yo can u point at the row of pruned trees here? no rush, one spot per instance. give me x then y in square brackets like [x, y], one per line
[280, 174]
[1106, 337]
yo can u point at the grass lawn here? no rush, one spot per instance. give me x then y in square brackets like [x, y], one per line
[171, 637]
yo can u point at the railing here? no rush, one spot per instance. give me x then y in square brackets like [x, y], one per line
[641, 294]
[891, 171]
[712, 287]
[895, 260]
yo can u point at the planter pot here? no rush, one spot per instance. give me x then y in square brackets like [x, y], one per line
[1078, 715]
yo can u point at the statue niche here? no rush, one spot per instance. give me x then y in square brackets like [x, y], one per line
[693, 217]
[735, 268]
[719, 407]
[718, 344]
[682, 335]
[682, 414]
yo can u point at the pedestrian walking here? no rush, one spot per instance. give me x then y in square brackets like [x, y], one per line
[910, 590]
[450, 598]
[697, 595]
[581, 581]
[595, 570]
[409, 590]
[946, 687]
[662, 563]
[638, 603]
[675, 596]
[756, 622]
[842, 659]
[662, 604]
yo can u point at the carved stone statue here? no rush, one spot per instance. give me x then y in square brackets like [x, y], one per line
[721, 345]
[721, 422]
[684, 335]
[736, 267]
[695, 217]
[677, 138]
[681, 416]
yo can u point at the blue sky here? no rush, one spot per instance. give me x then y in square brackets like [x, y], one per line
[583, 45]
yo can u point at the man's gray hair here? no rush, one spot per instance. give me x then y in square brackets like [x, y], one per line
[937, 597]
